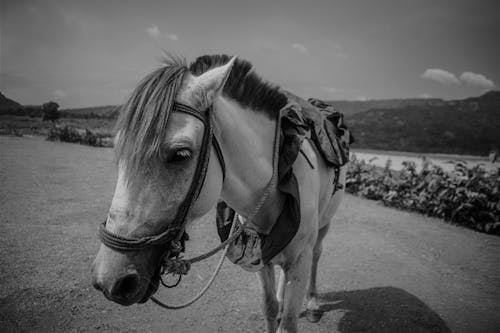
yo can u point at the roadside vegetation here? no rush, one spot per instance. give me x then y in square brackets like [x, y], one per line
[93, 129]
[469, 197]
[85, 136]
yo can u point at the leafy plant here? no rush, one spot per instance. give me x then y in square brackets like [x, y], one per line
[50, 112]
[467, 196]
[75, 135]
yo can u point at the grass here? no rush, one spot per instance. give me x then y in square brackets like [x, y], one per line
[25, 125]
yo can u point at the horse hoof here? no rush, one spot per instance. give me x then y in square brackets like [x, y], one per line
[313, 316]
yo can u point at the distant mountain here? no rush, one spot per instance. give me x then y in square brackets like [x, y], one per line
[353, 107]
[10, 107]
[468, 126]
[108, 111]
[6, 104]
[492, 96]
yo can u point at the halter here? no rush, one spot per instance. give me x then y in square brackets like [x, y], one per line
[175, 235]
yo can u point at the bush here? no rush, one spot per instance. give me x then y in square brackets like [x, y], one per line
[75, 135]
[50, 112]
[467, 196]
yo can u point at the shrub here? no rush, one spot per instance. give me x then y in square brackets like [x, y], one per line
[467, 196]
[50, 112]
[75, 135]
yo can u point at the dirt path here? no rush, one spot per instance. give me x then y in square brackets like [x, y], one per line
[382, 270]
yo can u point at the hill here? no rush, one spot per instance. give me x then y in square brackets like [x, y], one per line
[7, 104]
[13, 108]
[352, 107]
[468, 126]
[108, 111]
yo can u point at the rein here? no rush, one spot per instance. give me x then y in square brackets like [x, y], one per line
[171, 261]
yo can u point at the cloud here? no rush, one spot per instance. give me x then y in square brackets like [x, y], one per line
[153, 31]
[475, 79]
[336, 46]
[336, 49]
[440, 75]
[172, 37]
[329, 89]
[469, 78]
[361, 98]
[264, 45]
[301, 48]
[59, 93]
[425, 95]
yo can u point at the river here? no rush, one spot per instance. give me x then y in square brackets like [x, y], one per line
[380, 157]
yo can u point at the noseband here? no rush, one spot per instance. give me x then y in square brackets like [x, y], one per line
[172, 239]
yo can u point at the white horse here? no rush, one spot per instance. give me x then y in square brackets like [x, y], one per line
[159, 152]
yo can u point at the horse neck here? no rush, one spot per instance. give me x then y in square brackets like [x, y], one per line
[246, 139]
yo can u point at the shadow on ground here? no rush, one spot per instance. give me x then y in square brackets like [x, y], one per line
[381, 309]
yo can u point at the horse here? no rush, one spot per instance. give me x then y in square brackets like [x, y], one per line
[161, 145]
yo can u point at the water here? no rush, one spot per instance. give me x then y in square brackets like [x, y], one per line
[379, 158]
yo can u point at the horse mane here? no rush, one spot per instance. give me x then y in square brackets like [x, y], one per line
[142, 125]
[244, 85]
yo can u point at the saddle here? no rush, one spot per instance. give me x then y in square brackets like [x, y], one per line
[300, 120]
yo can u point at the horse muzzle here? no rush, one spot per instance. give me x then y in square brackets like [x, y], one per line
[120, 280]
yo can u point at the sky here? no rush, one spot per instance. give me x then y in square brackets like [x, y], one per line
[94, 52]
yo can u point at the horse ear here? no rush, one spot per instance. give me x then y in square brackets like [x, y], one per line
[212, 82]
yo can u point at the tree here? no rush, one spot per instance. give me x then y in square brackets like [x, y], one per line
[50, 112]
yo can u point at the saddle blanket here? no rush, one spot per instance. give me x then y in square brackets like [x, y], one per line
[300, 119]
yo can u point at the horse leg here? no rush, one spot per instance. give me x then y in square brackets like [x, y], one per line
[313, 313]
[280, 294]
[296, 277]
[269, 304]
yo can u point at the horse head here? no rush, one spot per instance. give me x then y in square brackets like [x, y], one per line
[160, 187]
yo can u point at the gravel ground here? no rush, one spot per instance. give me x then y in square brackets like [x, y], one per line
[382, 270]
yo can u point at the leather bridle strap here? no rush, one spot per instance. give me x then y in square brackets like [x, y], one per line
[220, 157]
[201, 167]
[207, 121]
[174, 234]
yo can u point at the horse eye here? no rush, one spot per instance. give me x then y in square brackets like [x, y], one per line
[180, 155]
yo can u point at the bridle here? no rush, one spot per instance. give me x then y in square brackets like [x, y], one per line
[173, 238]
[174, 235]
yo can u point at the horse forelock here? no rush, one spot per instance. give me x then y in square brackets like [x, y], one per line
[143, 119]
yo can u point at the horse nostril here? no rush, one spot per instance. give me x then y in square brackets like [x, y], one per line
[126, 286]
[96, 282]
[97, 285]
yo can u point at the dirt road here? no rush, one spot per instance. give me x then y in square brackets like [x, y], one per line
[382, 270]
